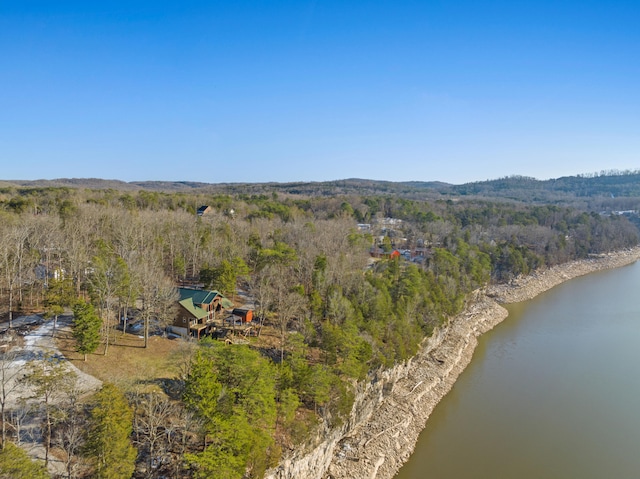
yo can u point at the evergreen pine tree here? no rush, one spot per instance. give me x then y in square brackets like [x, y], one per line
[16, 464]
[109, 444]
[86, 328]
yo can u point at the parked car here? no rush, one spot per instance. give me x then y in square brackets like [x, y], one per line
[133, 326]
[136, 326]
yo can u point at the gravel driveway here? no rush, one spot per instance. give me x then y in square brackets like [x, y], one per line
[39, 343]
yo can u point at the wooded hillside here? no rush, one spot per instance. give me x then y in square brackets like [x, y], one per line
[317, 260]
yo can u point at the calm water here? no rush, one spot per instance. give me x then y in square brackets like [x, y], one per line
[552, 392]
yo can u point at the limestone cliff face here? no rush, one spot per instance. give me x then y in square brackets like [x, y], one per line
[369, 395]
[392, 407]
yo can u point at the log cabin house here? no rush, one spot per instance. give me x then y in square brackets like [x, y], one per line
[198, 311]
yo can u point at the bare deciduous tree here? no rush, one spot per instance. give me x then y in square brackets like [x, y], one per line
[152, 413]
[49, 381]
[9, 383]
[16, 260]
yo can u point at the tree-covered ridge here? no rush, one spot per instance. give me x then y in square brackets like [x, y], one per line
[331, 313]
[608, 190]
[566, 190]
[604, 190]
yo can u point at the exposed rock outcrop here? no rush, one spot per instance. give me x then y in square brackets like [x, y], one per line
[528, 287]
[376, 448]
[392, 408]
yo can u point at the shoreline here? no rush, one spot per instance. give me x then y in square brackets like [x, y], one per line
[377, 447]
[528, 287]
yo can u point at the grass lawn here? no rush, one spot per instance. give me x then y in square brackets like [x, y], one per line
[131, 366]
[127, 363]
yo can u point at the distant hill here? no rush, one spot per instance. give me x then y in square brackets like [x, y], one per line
[325, 188]
[90, 183]
[607, 191]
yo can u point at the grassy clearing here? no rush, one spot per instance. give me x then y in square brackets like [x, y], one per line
[130, 366]
[127, 363]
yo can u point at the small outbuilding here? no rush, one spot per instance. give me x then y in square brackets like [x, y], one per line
[245, 315]
[203, 210]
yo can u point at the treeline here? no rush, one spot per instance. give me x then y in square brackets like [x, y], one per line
[334, 313]
[516, 237]
[579, 189]
[607, 190]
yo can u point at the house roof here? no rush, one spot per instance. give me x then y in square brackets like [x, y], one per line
[202, 296]
[226, 303]
[199, 296]
[196, 311]
[203, 209]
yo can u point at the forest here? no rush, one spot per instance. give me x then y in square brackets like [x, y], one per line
[345, 280]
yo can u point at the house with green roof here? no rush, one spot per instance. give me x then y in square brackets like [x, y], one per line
[197, 311]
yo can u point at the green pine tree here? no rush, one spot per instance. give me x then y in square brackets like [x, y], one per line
[233, 391]
[86, 328]
[16, 464]
[109, 441]
[59, 295]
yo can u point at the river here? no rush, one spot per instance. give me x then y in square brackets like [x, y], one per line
[552, 392]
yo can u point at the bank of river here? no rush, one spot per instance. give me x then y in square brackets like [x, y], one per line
[377, 448]
[550, 393]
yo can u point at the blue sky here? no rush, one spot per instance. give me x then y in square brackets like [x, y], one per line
[254, 91]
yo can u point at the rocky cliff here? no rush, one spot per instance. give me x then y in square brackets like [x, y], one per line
[393, 406]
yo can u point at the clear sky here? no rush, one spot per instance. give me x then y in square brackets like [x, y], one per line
[254, 91]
